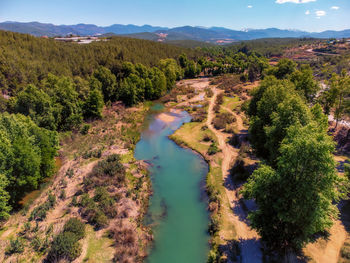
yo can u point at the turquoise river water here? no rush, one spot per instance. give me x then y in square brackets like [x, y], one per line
[177, 211]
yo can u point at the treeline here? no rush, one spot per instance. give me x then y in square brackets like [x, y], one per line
[25, 59]
[296, 188]
[270, 47]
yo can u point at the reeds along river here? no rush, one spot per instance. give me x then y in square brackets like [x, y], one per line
[177, 209]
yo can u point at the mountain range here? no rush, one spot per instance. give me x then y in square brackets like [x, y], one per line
[212, 34]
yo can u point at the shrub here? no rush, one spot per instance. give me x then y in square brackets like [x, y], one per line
[213, 226]
[70, 173]
[37, 243]
[207, 138]
[209, 92]
[74, 201]
[213, 149]
[85, 129]
[16, 246]
[223, 119]
[216, 108]
[63, 194]
[101, 194]
[64, 247]
[39, 213]
[220, 99]
[75, 226]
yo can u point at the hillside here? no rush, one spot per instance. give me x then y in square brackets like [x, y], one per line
[212, 34]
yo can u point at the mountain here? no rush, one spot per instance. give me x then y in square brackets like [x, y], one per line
[41, 29]
[155, 33]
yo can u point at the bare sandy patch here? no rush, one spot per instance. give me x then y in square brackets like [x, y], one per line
[166, 117]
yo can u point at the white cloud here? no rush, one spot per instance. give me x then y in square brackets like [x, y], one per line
[294, 1]
[250, 6]
[335, 7]
[320, 13]
[307, 12]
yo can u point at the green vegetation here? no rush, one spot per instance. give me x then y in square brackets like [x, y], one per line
[297, 190]
[65, 246]
[26, 157]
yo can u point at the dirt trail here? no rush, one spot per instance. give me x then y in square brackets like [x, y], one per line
[239, 121]
[328, 251]
[249, 239]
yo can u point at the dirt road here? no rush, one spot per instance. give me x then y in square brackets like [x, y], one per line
[249, 239]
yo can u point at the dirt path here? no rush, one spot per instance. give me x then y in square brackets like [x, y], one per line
[249, 239]
[328, 251]
[239, 121]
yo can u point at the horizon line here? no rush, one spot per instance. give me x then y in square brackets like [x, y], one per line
[204, 27]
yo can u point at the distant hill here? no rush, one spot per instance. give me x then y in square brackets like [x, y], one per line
[211, 35]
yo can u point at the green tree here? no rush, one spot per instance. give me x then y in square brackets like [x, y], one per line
[4, 199]
[171, 71]
[37, 104]
[26, 154]
[108, 81]
[304, 81]
[265, 101]
[65, 101]
[93, 105]
[292, 110]
[298, 199]
[340, 86]
[285, 68]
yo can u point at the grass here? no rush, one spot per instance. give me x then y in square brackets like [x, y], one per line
[99, 249]
[227, 230]
[191, 135]
[231, 103]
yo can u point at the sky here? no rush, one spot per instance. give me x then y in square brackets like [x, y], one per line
[309, 15]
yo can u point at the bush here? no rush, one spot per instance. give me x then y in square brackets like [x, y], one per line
[207, 138]
[220, 99]
[70, 173]
[209, 92]
[75, 226]
[16, 246]
[39, 213]
[63, 194]
[213, 226]
[101, 194]
[64, 247]
[223, 119]
[85, 129]
[213, 149]
[345, 252]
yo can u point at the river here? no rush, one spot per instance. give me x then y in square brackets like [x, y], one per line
[177, 211]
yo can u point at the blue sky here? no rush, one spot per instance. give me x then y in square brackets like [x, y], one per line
[310, 15]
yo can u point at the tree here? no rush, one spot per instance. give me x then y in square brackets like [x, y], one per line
[4, 199]
[265, 101]
[37, 104]
[93, 105]
[297, 200]
[292, 110]
[304, 81]
[340, 85]
[108, 81]
[26, 154]
[171, 71]
[285, 68]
